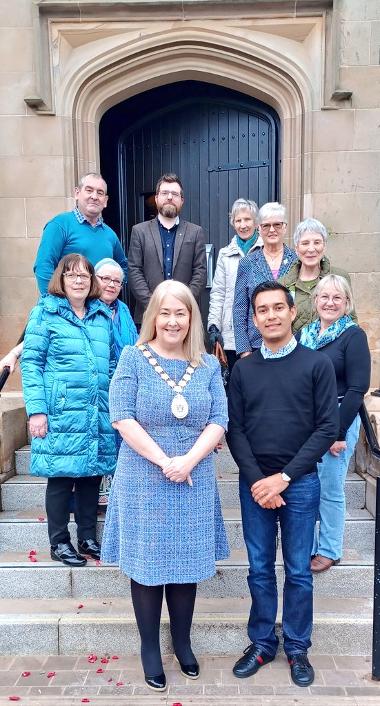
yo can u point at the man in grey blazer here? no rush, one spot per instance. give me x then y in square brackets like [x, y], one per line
[166, 247]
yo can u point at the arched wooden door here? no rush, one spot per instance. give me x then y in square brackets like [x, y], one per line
[222, 144]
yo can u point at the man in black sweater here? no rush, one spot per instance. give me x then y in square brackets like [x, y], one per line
[283, 417]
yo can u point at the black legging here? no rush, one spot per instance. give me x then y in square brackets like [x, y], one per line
[147, 604]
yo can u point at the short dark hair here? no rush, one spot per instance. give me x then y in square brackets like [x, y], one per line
[71, 262]
[170, 179]
[272, 286]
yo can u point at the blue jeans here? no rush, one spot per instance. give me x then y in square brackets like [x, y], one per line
[332, 472]
[297, 520]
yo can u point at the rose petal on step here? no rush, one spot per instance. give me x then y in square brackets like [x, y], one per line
[119, 683]
[97, 562]
[110, 679]
[85, 700]
[177, 703]
[114, 657]
[92, 659]
[50, 675]
[41, 519]
[14, 698]
[26, 674]
[32, 552]
[33, 559]
[80, 605]
[104, 660]
[100, 671]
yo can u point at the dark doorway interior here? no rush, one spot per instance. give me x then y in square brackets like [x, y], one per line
[223, 145]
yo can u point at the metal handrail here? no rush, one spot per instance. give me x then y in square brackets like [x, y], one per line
[6, 372]
[375, 450]
[369, 431]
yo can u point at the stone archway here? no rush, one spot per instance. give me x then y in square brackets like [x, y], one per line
[197, 53]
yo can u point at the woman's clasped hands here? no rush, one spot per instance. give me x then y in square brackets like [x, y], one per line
[178, 469]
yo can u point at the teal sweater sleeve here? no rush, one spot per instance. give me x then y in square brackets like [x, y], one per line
[49, 253]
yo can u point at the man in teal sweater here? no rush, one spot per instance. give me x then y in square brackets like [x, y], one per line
[79, 231]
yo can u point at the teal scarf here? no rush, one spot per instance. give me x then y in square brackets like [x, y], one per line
[246, 245]
[310, 334]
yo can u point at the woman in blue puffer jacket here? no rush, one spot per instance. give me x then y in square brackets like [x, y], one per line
[67, 363]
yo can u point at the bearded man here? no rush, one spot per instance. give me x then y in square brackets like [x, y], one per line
[166, 247]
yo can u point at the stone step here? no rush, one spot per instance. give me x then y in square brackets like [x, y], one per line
[60, 626]
[26, 529]
[21, 578]
[223, 460]
[23, 491]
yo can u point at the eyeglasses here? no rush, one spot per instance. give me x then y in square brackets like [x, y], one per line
[336, 298]
[265, 227]
[175, 194]
[73, 276]
[110, 280]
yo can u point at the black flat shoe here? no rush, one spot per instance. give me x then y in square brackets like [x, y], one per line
[190, 671]
[90, 547]
[301, 671]
[156, 683]
[253, 658]
[66, 553]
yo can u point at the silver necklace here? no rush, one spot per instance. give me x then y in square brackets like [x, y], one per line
[179, 406]
[274, 258]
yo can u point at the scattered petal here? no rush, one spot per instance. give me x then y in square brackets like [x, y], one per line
[109, 680]
[41, 519]
[100, 671]
[80, 605]
[114, 657]
[14, 698]
[119, 683]
[25, 674]
[177, 703]
[97, 562]
[33, 559]
[104, 660]
[92, 659]
[32, 552]
[50, 675]
[85, 700]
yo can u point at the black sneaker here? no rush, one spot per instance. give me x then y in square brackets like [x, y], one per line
[253, 658]
[301, 671]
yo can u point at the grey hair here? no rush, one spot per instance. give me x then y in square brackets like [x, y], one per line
[244, 205]
[341, 284]
[312, 225]
[111, 262]
[273, 208]
[96, 175]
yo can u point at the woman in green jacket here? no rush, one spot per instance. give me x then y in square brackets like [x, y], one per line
[310, 240]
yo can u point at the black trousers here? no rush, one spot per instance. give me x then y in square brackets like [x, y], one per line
[58, 496]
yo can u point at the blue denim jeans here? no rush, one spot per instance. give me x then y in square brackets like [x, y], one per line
[332, 472]
[297, 520]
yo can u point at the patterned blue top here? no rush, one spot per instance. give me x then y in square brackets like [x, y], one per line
[159, 531]
[253, 270]
[281, 353]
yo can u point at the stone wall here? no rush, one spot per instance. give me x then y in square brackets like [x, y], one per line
[331, 147]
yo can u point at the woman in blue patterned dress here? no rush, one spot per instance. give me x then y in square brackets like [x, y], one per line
[164, 525]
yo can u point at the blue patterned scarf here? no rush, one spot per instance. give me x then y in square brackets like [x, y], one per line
[310, 334]
[124, 329]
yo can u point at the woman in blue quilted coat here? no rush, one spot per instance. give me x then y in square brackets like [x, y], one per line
[67, 363]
